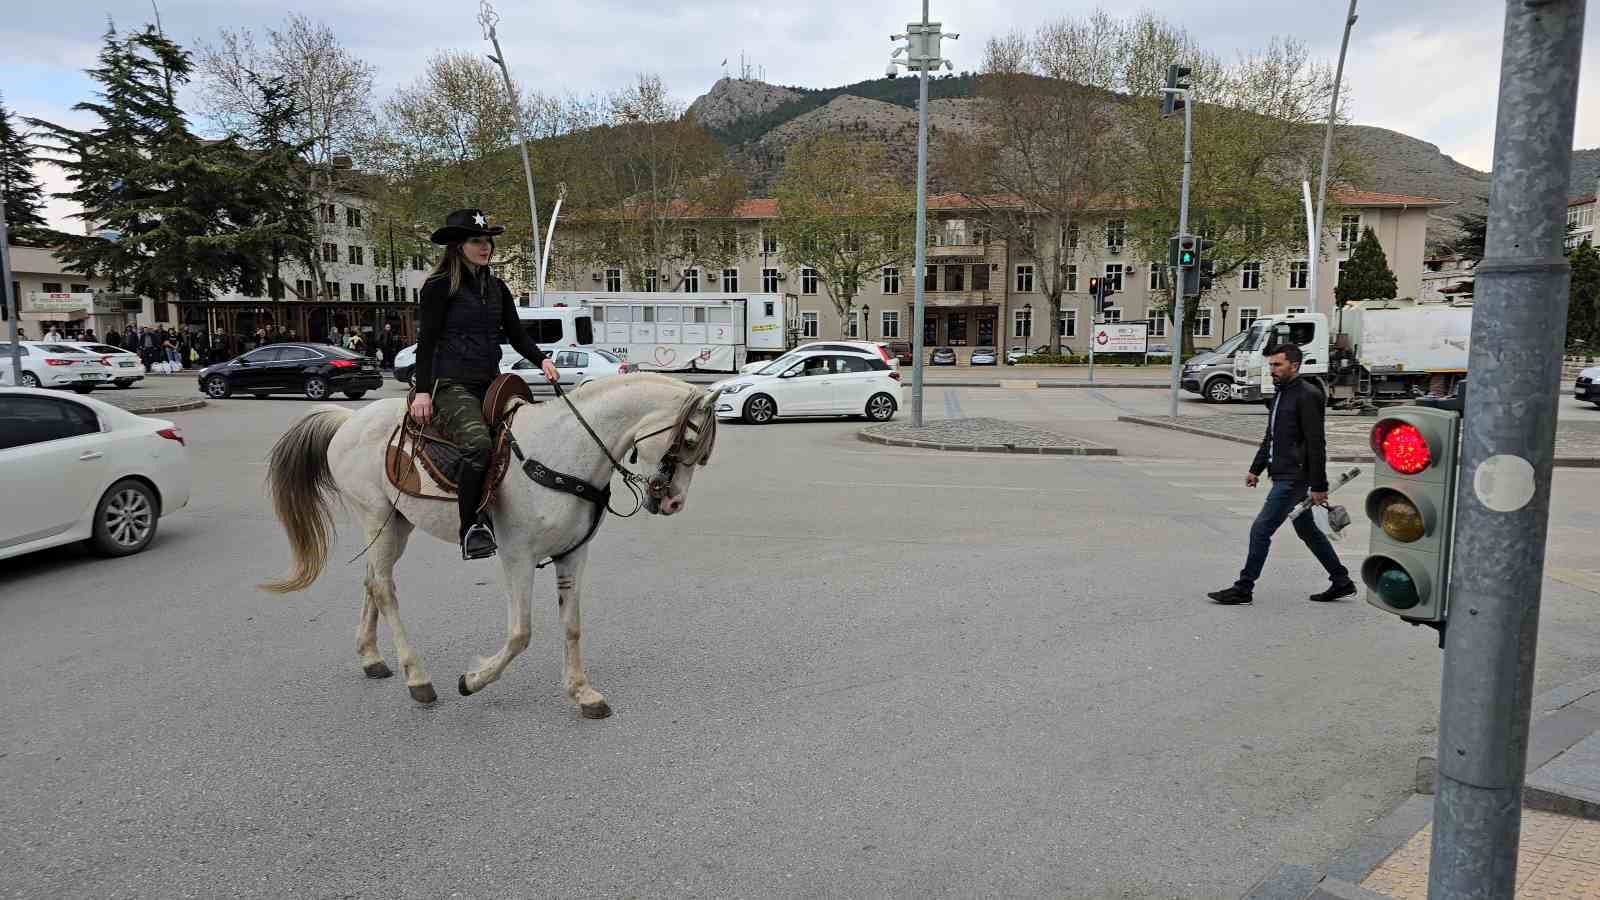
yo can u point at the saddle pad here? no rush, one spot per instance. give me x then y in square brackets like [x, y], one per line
[442, 459]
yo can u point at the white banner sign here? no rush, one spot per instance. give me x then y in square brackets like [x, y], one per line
[40, 301]
[1117, 337]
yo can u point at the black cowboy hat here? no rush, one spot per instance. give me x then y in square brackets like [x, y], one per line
[464, 224]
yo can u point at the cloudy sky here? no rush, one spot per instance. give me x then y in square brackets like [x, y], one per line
[1428, 68]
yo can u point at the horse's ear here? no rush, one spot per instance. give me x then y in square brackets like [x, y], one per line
[634, 459]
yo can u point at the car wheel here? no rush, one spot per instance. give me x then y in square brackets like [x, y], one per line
[125, 520]
[30, 380]
[317, 387]
[759, 410]
[217, 388]
[124, 385]
[1218, 390]
[355, 395]
[880, 408]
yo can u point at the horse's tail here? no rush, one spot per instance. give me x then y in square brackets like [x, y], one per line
[300, 482]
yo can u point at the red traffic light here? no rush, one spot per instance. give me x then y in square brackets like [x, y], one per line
[1402, 446]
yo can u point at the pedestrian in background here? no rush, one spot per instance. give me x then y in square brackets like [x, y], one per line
[1294, 454]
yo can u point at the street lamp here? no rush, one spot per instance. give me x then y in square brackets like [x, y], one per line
[1224, 306]
[1028, 318]
[922, 51]
[866, 321]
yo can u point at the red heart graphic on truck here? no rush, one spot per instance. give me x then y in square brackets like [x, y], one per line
[665, 356]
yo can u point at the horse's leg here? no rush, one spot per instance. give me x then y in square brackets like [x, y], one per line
[518, 567]
[367, 635]
[381, 557]
[569, 590]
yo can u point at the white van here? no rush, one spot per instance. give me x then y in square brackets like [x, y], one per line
[551, 327]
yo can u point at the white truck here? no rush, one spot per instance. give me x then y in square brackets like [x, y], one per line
[676, 332]
[1374, 352]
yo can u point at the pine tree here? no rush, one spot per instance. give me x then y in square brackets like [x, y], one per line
[1583, 307]
[1366, 276]
[272, 198]
[24, 197]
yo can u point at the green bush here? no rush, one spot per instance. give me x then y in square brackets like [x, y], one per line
[1047, 359]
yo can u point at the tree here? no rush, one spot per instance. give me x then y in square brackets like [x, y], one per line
[167, 204]
[272, 197]
[24, 197]
[842, 215]
[1366, 275]
[646, 179]
[1583, 308]
[1473, 232]
[1045, 149]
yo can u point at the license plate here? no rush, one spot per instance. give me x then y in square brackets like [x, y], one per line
[88, 376]
[127, 364]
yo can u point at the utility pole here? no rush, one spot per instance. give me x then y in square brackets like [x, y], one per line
[488, 18]
[1178, 89]
[1313, 268]
[1503, 506]
[13, 303]
[922, 51]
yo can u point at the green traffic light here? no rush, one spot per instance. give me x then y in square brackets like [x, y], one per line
[1396, 588]
[1186, 258]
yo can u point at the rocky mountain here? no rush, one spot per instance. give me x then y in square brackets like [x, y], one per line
[733, 99]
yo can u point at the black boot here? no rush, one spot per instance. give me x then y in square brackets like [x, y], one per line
[477, 531]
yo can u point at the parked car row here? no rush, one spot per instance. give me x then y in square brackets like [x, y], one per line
[70, 364]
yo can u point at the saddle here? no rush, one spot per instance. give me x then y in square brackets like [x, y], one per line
[410, 444]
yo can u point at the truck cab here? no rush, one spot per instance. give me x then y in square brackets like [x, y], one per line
[1252, 380]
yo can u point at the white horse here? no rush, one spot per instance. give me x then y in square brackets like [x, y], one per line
[332, 451]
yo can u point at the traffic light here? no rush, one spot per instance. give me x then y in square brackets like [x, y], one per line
[1100, 291]
[1177, 79]
[1412, 508]
[1195, 268]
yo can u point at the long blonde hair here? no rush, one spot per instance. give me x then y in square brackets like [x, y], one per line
[454, 265]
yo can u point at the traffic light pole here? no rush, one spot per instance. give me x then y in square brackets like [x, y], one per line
[1518, 327]
[1178, 299]
[919, 305]
[1094, 319]
[13, 303]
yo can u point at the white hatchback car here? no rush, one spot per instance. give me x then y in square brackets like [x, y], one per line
[812, 383]
[77, 469]
[55, 364]
[575, 367]
[125, 365]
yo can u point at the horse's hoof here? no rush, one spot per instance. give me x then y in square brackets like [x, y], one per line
[423, 693]
[461, 685]
[601, 710]
[379, 669]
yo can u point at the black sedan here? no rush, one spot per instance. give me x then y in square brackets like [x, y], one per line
[942, 356]
[315, 370]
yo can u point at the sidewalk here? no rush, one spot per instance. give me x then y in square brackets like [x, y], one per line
[1559, 852]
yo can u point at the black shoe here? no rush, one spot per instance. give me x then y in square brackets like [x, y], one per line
[1337, 592]
[478, 542]
[1232, 596]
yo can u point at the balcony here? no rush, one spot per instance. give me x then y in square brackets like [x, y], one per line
[950, 253]
[947, 299]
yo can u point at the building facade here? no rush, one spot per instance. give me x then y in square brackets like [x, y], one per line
[981, 293]
[1582, 214]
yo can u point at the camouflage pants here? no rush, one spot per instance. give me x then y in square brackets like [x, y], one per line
[458, 410]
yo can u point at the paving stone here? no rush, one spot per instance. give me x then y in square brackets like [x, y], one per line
[985, 434]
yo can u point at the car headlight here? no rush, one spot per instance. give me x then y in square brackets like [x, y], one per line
[734, 388]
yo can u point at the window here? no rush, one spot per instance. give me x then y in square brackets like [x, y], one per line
[357, 255]
[51, 287]
[891, 241]
[930, 331]
[891, 280]
[850, 241]
[1114, 314]
[1022, 323]
[1247, 316]
[769, 281]
[358, 292]
[415, 295]
[729, 242]
[304, 289]
[955, 278]
[330, 290]
[1068, 326]
[957, 328]
[28, 420]
[730, 281]
[955, 231]
[1201, 326]
[1024, 279]
[382, 292]
[691, 280]
[1158, 322]
[652, 281]
[1349, 229]
[852, 325]
[769, 242]
[330, 215]
[330, 252]
[1254, 229]
[613, 280]
[1250, 277]
[1069, 239]
[1114, 276]
[418, 263]
[1072, 277]
[1291, 310]
[808, 324]
[1116, 233]
[808, 281]
[162, 314]
[1158, 277]
[1299, 272]
[352, 217]
[80, 288]
[690, 241]
[890, 322]
[980, 277]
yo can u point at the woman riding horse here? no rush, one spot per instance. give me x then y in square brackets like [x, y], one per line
[467, 312]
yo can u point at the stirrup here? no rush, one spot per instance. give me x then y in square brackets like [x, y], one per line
[478, 542]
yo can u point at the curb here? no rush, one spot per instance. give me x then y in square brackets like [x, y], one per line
[180, 406]
[987, 448]
[1562, 462]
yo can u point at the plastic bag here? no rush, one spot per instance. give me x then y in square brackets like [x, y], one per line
[1332, 521]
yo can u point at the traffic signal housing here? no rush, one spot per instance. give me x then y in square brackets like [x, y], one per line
[1100, 291]
[1412, 507]
[1195, 269]
[1177, 80]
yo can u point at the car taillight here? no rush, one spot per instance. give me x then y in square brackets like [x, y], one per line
[173, 434]
[342, 363]
[884, 352]
[105, 360]
[895, 375]
[59, 362]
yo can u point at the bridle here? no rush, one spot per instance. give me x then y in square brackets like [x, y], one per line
[690, 446]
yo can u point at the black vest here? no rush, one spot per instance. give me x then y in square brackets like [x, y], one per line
[468, 349]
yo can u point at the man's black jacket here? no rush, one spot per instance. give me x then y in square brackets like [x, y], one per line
[1295, 447]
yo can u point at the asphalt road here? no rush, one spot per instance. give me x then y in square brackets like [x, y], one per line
[845, 670]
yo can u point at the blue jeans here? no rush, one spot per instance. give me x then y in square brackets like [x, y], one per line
[1281, 500]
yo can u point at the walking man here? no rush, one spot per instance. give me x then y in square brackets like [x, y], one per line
[1294, 454]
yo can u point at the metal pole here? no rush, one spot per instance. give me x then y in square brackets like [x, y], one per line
[1183, 228]
[1094, 317]
[1327, 148]
[919, 299]
[488, 18]
[1502, 515]
[13, 303]
[1313, 238]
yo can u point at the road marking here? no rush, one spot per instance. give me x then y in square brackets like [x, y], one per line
[1214, 498]
[945, 486]
[1250, 511]
[1578, 578]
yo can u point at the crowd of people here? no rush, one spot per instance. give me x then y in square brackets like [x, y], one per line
[192, 348]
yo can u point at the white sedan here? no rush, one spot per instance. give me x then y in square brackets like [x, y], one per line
[576, 368]
[54, 364]
[125, 365]
[77, 469]
[814, 383]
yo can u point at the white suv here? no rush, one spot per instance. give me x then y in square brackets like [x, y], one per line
[812, 383]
